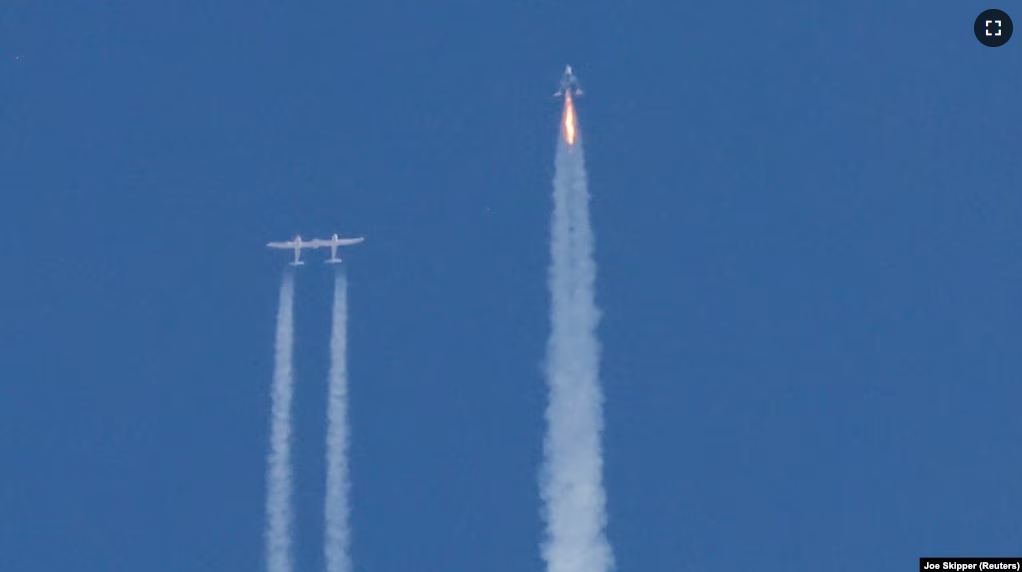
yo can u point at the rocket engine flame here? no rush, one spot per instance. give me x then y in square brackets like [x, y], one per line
[569, 119]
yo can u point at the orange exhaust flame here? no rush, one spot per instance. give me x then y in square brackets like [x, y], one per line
[569, 120]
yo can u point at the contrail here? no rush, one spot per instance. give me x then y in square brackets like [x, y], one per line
[571, 478]
[278, 471]
[337, 508]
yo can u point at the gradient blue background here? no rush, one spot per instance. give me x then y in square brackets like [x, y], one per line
[807, 221]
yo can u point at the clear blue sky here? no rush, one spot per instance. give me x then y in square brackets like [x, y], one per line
[808, 222]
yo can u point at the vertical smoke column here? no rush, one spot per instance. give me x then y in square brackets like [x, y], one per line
[337, 508]
[278, 473]
[571, 478]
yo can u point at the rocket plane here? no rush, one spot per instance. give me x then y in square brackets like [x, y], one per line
[569, 84]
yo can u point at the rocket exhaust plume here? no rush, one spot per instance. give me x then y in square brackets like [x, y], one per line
[568, 123]
[337, 508]
[571, 477]
[278, 473]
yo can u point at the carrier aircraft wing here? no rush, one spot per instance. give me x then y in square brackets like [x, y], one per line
[297, 245]
[333, 242]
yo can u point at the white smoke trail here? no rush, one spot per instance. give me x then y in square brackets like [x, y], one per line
[278, 472]
[571, 479]
[337, 507]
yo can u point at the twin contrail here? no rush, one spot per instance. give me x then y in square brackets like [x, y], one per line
[571, 479]
[279, 512]
[278, 472]
[336, 535]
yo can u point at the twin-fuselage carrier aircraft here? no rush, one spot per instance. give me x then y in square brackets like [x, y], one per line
[298, 244]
